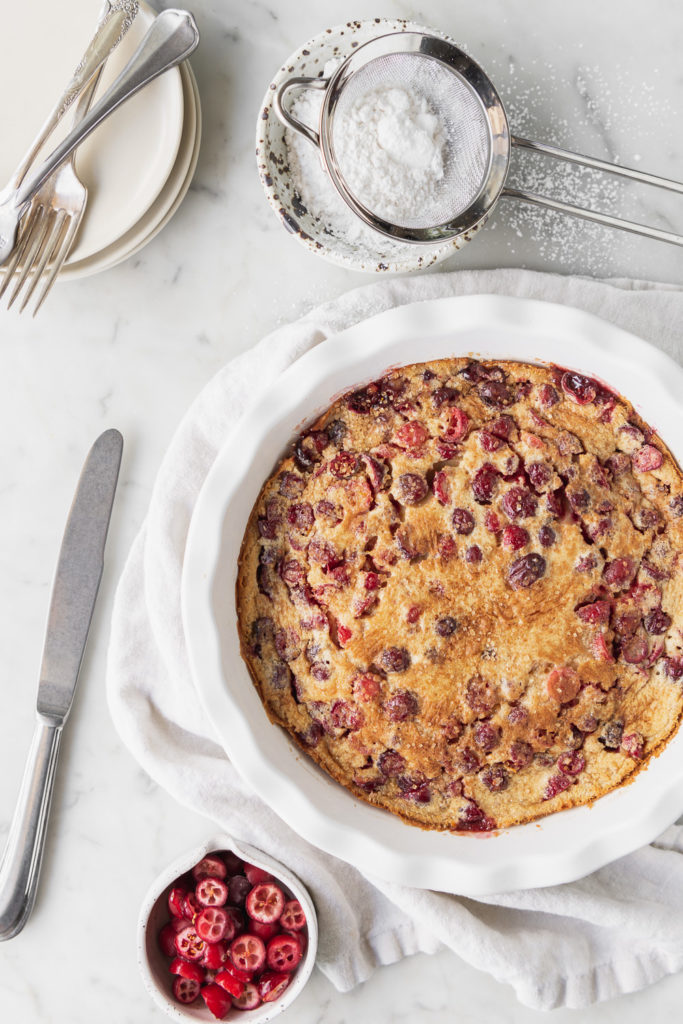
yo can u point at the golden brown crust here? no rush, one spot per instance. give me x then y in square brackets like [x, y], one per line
[462, 594]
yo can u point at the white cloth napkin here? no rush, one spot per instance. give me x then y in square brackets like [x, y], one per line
[614, 932]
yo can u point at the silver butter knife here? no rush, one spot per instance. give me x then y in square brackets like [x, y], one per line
[74, 591]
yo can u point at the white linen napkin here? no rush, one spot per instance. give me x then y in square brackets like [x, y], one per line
[614, 932]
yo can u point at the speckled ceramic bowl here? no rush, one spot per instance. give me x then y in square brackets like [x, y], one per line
[154, 914]
[385, 256]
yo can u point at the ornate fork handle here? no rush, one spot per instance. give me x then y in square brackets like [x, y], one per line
[115, 21]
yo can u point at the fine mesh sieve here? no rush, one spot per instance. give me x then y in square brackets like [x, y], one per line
[476, 140]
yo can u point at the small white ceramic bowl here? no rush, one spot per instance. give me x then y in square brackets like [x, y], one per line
[383, 256]
[154, 914]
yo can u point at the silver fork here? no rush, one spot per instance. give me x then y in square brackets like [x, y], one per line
[49, 228]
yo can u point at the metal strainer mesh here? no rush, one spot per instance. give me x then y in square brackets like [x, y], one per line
[466, 143]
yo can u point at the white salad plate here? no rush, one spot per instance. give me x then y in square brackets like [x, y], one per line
[559, 848]
[127, 160]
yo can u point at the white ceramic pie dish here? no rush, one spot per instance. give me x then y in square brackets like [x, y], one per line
[556, 849]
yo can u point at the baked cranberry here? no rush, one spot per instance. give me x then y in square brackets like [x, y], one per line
[521, 754]
[413, 613]
[495, 778]
[634, 650]
[586, 563]
[487, 736]
[598, 612]
[329, 512]
[394, 659]
[676, 506]
[526, 571]
[401, 705]
[674, 668]
[571, 762]
[463, 521]
[446, 547]
[308, 449]
[518, 715]
[611, 734]
[515, 537]
[581, 389]
[502, 427]
[495, 394]
[414, 787]
[473, 555]
[518, 503]
[313, 735]
[481, 696]
[267, 528]
[633, 745]
[444, 396]
[451, 728]
[547, 536]
[563, 684]
[391, 763]
[491, 522]
[366, 687]
[324, 554]
[618, 574]
[301, 516]
[601, 651]
[441, 487]
[554, 501]
[291, 485]
[412, 488]
[484, 484]
[344, 465]
[467, 761]
[446, 449]
[445, 626]
[647, 458]
[555, 785]
[539, 474]
[287, 644]
[568, 444]
[458, 423]
[364, 399]
[346, 716]
[489, 442]
[657, 622]
[412, 434]
[473, 819]
[548, 396]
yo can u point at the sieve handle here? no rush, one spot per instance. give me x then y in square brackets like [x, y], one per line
[293, 122]
[601, 165]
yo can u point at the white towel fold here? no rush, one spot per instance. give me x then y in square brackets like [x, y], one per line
[614, 932]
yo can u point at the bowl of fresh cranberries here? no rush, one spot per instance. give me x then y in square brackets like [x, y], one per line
[226, 933]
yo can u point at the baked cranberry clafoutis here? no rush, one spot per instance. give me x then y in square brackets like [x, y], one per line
[462, 594]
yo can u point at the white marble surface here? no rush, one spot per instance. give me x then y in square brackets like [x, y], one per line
[131, 347]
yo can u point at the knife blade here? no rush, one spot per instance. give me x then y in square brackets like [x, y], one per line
[77, 580]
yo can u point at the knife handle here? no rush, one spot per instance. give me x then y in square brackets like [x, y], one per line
[23, 856]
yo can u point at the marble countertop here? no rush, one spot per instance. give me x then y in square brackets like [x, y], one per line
[132, 347]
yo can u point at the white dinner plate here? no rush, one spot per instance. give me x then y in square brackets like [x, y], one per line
[166, 203]
[127, 160]
[555, 849]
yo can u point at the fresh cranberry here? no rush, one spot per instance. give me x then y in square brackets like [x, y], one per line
[548, 396]
[647, 458]
[618, 574]
[238, 887]
[547, 536]
[189, 944]
[515, 537]
[212, 924]
[484, 484]
[187, 969]
[283, 953]
[212, 892]
[176, 902]
[346, 716]
[401, 705]
[473, 555]
[458, 422]
[633, 745]
[441, 488]
[166, 939]
[272, 984]
[445, 626]
[257, 875]
[463, 521]
[230, 983]
[598, 612]
[581, 389]
[248, 952]
[495, 778]
[412, 488]
[489, 442]
[525, 571]
[657, 622]
[209, 867]
[215, 954]
[249, 999]
[344, 465]
[571, 762]
[264, 930]
[556, 784]
[521, 754]
[611, 734]
[487, 736]
[191, 906]
[391, 763]
[217, 1000]
[186, 990]
[394, 659]
[563, 684]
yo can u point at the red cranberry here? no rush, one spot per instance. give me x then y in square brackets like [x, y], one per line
[391, 763]
[473, 555]
[495, 394]
[579, 499]
[515, 537]
[291, 485]
[445, 626]
[414, 787]
[463, 521]
[495, 778]
[491, 522]
[412, 434]
[555, 503]
[518, 503]
[539, 474]
[444, 396]
[563, 684]
[634, 650]
[647, 458]
[568, 444]
[587, 563]
[458, 422]
[301, 516]
[346, 716]
[525, 571]
[484, 484]
[287, 644]
[633, 745]
[674, 668]
[308, 448]
[328, 511]
[446, 449]
[657, 622]
[441, 487]
[489, 442]
[598, 612]
[555, 785]
[521, 754]
[446, 547]
[473, 819]
[394, 659]
[502, 427]
[676, 506]
[412, 488]
[344, 465]
[481, 696]
[487, 736]
[518, 715]
[581, 389]
[467, 761]
[547, 536]
[366, 687]
[571, 762]
[618, 574]
[401, 705]
[611, 734]
[320, 671]
[548, 396]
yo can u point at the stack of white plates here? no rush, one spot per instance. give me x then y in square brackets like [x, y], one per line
[137, 165]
